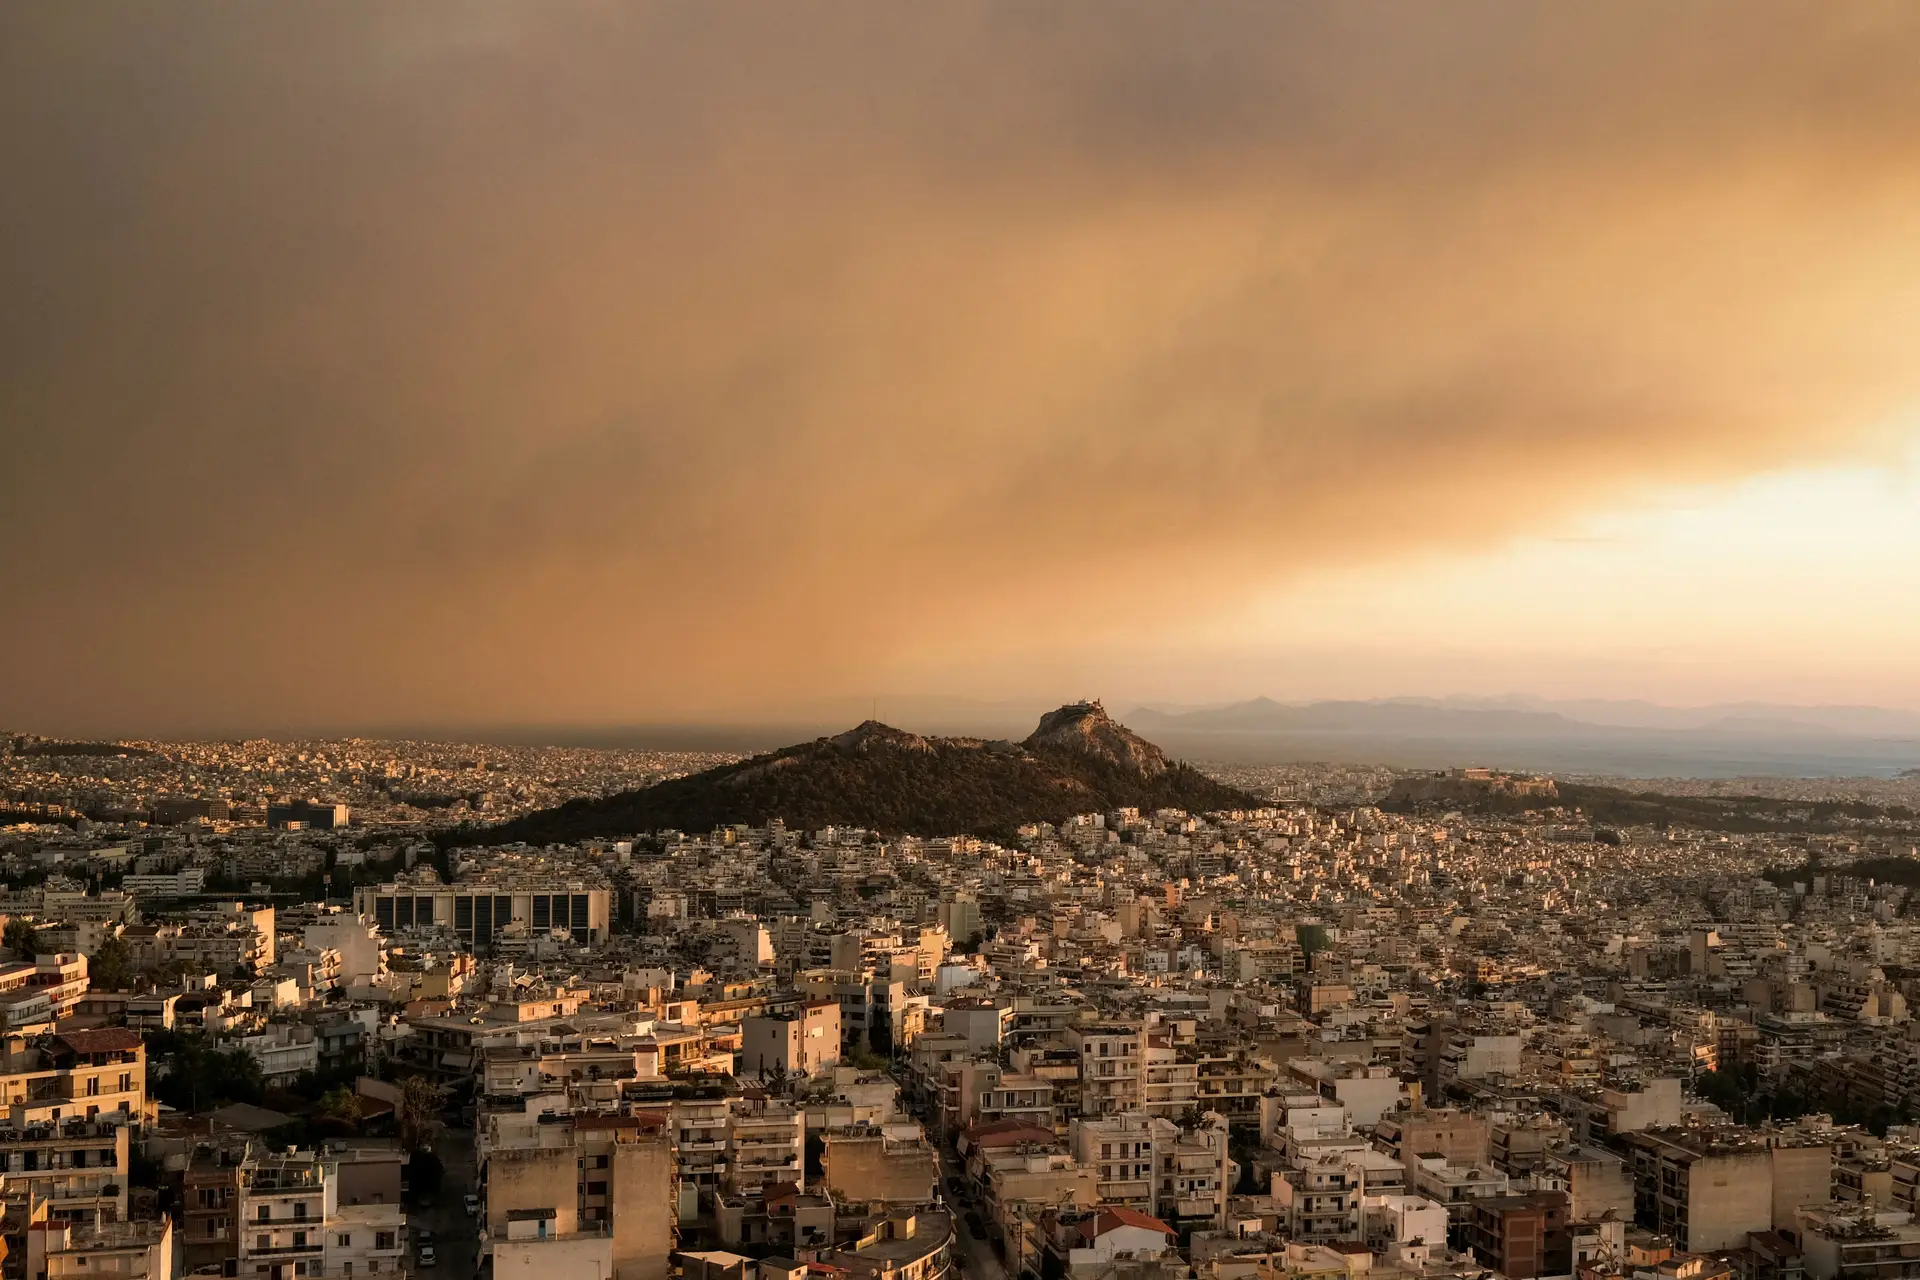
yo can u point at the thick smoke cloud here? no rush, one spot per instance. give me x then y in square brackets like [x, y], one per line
[366, 364]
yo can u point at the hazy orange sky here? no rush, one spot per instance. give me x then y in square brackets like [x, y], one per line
[367, 364]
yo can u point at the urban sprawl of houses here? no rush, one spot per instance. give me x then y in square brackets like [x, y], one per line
[263, 1018]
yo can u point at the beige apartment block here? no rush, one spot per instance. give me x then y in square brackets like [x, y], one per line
[802, 1042]
[876, 1166]
[614, 1172]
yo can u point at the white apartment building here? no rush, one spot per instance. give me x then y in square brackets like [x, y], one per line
[363, 954]
[766, 1142]
[283, 1050]
[1149, 1163]
[550, 1243]
[61, 1250]
[1111, 1076]
[165, 884]
[292, 1224]
[36, 993]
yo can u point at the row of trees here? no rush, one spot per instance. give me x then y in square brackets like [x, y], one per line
[22, 939]
[1741, 1093]
[191, 1072]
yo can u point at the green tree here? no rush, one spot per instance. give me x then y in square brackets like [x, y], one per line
[200, 1075]
[1312, 939]
[110, 967]
[337, 1111]
[23, 939]
[863, 1057]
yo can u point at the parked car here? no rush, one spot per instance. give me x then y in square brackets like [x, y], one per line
[471, 1203]
[423, 1237]
[426, 1256]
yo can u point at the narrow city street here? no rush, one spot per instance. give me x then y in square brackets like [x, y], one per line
[973, 1256]
[456, 1236]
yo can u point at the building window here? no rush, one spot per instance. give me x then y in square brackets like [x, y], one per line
[126, 1082]
[265, 1214]
[596, 1188]
[383, 1240]
[344, 1240]
[93, 1086]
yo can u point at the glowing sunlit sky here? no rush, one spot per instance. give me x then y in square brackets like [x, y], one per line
[1796, 586]
[1801, 585]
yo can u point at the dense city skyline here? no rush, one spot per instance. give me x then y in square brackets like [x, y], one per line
[571, 364]
[1089, 640]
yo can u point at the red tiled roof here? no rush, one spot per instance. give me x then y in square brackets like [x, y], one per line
[1008, 1133]
[101, 1040]
[1114, 1218]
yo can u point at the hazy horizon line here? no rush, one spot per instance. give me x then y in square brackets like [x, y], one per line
[834, 715]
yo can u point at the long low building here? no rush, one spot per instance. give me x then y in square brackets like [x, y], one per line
[481, 909]
[39, 992]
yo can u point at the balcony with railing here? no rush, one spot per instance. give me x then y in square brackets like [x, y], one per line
[315, 1245]
[283, 1177]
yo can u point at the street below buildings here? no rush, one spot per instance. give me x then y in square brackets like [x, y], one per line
[456, 1237]
[973, 1256]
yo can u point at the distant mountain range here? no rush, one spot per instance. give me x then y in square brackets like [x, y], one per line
[1593, 736]
[1626, 738]
[1519, 712]
[1079, 759]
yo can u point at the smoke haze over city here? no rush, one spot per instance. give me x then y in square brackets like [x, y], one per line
[368, 365]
